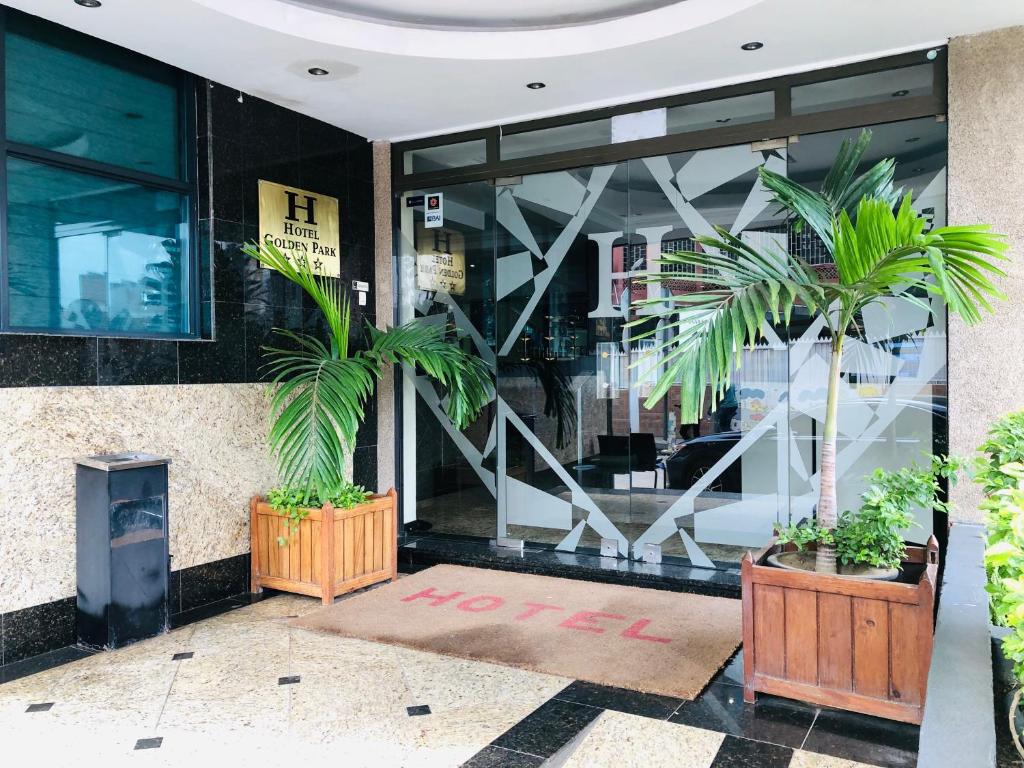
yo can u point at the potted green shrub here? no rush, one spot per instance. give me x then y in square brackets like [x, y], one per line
[317, 533]
[805, 632]
[1000, 473]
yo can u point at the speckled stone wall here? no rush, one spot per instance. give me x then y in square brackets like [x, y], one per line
[214, 434]
[986, 166]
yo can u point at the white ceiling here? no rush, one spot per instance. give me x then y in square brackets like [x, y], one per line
[396, 74]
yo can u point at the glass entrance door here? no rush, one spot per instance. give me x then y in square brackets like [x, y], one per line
[566, 456]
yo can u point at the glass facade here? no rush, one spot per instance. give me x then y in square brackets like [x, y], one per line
[98, 236]
[566, 456]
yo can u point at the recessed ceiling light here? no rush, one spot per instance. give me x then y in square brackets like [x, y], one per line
[89, 3]
[900, 93]
[753, 45]
[536, 86]
[318, 71]
[723, 120]
[912, 139]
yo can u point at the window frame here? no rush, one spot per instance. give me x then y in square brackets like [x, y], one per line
[185, 185]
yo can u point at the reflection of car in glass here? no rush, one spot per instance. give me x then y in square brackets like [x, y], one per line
[694, 458]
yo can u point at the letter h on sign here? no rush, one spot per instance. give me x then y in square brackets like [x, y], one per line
[294, 207]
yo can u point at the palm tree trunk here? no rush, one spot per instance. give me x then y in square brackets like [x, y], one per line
[828, 514]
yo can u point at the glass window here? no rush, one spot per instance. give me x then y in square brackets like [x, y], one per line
[67, 94]
[750, 108]
[91, 254]
[459, 155]
[871, 88]
[560, 138]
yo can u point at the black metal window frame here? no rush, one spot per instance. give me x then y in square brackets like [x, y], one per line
[185, 185]
[783, 124]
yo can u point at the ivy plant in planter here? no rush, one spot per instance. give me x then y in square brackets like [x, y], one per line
[317, 533]
[869, 542]
[855, 644]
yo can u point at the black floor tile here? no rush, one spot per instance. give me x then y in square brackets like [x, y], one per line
[150, 743]
[42, 662]
[548, 728]
[619, 699]
[289, 680]
[721, 708]
[731, 673]
[182, 656]
[46, 707]
[419, 709]
[743, 753]
[496, 757]
[865, 739]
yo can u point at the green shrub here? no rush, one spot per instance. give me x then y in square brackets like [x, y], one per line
[295, 503]
[999, 472]
[873, 535]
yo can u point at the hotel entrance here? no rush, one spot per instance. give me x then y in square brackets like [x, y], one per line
[540, 273]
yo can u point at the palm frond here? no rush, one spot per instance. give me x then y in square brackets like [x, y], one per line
[744, 287]
[841, 191]
[315, 411]
[328, 293]
[467, 378]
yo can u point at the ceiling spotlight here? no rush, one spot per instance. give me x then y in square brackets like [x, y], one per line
[536, 86]
[753, 45]
[900, 93]
[913, 139]
[317, 71]
[89, 3]
[932, 54]
[723, 120]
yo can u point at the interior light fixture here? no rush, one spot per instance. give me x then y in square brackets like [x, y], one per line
[317, 71]
[88, 3]
[900, 93]
[753, 45]
[536, 86]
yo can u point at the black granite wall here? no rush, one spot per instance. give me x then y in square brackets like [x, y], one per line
[238, 141]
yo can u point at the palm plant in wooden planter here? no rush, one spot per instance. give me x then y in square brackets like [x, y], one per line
[799, 626]
[319, 534]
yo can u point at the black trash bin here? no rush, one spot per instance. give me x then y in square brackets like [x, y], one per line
[122, 549]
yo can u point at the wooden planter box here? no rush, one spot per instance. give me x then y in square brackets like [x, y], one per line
[334, 551]
[864, 646]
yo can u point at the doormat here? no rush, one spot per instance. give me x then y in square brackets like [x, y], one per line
[648, 640]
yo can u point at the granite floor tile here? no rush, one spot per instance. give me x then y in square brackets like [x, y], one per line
[548, 728]
[620, 699]
[618, 740]
[871, 740]
[802, 759]
[721, 708]
[744, 753]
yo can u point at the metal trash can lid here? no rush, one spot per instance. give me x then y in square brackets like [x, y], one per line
[110, 462]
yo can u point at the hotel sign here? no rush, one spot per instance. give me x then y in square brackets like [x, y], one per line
[440, 261]
[302, 224]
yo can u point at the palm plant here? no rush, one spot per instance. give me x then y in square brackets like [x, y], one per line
[880, 249]
[321, 389]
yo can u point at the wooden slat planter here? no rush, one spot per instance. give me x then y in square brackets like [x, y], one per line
[864, 646]
[334, 551]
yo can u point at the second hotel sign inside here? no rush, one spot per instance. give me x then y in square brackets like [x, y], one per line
[302, 223]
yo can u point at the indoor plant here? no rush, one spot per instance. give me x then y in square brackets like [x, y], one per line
[319, 534]
[880, 249]
[856, 644]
